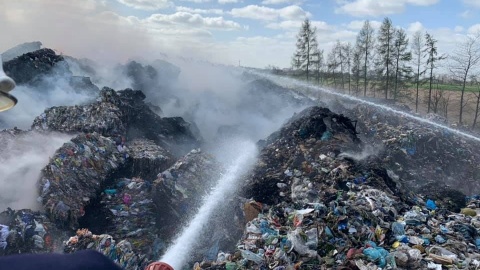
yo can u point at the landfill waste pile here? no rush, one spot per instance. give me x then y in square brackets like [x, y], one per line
[361, 191]
[127, 231]
[122, 113]
[75, 174]
[34, 68]
[21, 49]
[143, 216]
[26, 231]
[102, 117]
[426, 158]
[313, 208]
[147, 159]
[120, 252]
[29, 67]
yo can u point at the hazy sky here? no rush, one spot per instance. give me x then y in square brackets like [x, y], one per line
[258, 33]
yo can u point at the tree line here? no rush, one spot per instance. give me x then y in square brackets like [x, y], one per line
[385, 64]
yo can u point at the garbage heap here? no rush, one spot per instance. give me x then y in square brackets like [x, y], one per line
[122, 225]
[74, 175]
[425, 157]
[122, 113]
[120, 252]
[142, 217]
[147, 159]
[30, 67]
[26, 231]
[316, 209]
[44, 69]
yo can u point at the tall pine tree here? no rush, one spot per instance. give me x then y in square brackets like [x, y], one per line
[384, 48]
[307, 48]
[401, 56]
[431, 53]
[365, 43]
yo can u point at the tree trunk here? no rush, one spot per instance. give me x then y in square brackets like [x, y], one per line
[461, 98]
[365, 72]
[418, 82]
[349, 83]
[430, 90]
[396, 81]
[476, 110]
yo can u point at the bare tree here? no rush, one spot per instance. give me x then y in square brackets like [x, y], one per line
[318, 64]
[417, 45]
[332, 65]
[365, 43]
[464, 59]
[356, 69]
[347, 53]
[338, 49]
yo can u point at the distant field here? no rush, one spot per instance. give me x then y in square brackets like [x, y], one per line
[449, 87]
[425, 86]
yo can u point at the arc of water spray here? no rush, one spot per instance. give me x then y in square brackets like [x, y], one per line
[289, 82]
[177, 254]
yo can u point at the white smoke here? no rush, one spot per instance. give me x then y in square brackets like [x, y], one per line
[21, 161]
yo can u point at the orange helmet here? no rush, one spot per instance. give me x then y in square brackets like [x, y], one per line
[159, 266]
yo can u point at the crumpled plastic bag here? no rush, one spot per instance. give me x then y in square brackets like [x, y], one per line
[299, 244]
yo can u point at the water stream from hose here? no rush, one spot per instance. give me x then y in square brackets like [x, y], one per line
[298, 85]
[244, 157]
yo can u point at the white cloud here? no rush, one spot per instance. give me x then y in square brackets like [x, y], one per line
[255, 12]
[227, 1]
[357, 24]
[196, 1]
[295, 25]
[193, 20]
[361, 8]
[474, 29]
[199, 11]
[415, 26]
[147, 4]
[458, 28]
[280, 2]
[472, 3]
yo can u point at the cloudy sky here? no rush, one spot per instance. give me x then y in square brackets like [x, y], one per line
[255, 32]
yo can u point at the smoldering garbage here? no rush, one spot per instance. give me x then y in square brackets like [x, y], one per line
[129, 180]
[312, 208]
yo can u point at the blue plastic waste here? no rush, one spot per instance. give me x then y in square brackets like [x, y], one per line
[327, 135]
[359, 180]
[431, 205]
[439, 239]
[377, 255]
[110, 191]
[264, 228]
[398, 228]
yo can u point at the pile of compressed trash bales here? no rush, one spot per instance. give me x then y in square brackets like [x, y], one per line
[75, 174]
